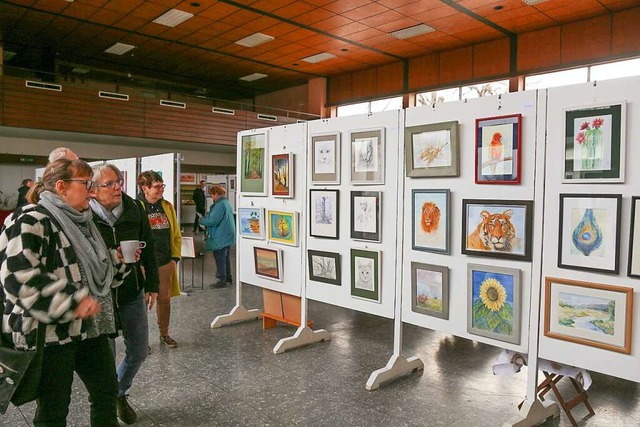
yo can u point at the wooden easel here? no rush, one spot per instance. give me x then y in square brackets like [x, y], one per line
[550, 382]
[280, 307]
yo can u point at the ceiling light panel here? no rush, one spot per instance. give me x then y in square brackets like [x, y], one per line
[120, 48]
[173, 18]
[532, 2]
[314, 59]
[254, 40]
[416, 30]
[253, 77]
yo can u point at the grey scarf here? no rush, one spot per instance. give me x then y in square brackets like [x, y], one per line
[110, 217]
[90, 250]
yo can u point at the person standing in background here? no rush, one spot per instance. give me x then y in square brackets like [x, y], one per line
[168, 244]
[200, 200]
[62, 153]
[22, 192]
[221, 232]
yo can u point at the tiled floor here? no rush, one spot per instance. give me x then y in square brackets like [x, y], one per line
[230, 376]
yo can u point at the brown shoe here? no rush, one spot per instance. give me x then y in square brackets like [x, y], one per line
[168, 341]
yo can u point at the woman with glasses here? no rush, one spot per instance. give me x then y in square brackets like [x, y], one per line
[58, 271]
[168, 241]
[119, 217]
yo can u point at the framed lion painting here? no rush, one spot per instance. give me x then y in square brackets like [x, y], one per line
[430, 228]
[497, 228]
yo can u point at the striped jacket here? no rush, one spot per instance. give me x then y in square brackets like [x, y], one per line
[29, 293]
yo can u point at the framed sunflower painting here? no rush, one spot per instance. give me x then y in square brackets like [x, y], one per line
[493, 308]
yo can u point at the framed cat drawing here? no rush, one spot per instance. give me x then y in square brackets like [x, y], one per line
[365, 215]
[365, 274]
[325, 159]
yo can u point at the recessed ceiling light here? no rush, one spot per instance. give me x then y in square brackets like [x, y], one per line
[173, 17]
[498, 7]
[344, 49]
[252, 77]
[532, 2]
[254, 40]
[120, 49]
[314, 59]
[416, 30]
[79, 70]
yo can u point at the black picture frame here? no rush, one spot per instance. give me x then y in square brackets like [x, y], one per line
[322, 271]
[320, 227]
[633, 265]
[368, 228]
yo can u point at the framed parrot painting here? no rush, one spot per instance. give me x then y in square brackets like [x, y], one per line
[498, 149]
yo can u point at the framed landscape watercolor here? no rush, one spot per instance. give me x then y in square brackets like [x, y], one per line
[594, 148]
[324, 213]
[366, 215]
[430, 289]
[432, 150]
[325, 158]
[589, 313]
[282, 173]
[365, 274]
[430, 220]
[493, 302]
[283, 227]
[251, 223]
[497, 228]
[498, 149]
[367, 157]
[253, 165]
[589, 232]
[633, 269]
[268, 263]
[325, 267]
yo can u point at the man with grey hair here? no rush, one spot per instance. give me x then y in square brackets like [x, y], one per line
[62, 153]
[118, 218]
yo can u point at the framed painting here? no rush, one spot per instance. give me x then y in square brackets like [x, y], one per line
[493, 302]
[324, 209]
[325, 267]
[497, 228]
[283, 227]
[432, 150]
[366, 215]
[498, 149]
[253, 164]
[365, 274]
[251, 223]
[325, 158]
[268, 263]
[594, 144]
[189, 178]
[633, 269]
[589, 232]
[430, 220]
[430, 290]
[367, 157]
[282, 174]
[589, 313]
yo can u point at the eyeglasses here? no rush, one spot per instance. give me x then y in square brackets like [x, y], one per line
[112, 184]
[158, 186]
[89, 185]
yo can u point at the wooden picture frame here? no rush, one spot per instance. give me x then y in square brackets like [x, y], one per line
[595, 143]
[365, 274]
[282, 175]
[325, 267]
[512, 240]
[324, 213]
[432, 150]
[589, 232]
[430, 290]
[253, 164]
[366, 213]
[268, 263]
[251, 223]
[431, 220]
[493, 302]
[325, 159]
[282, 227]
[633, 265]
[367, 157]
[499, 149]
[592, 314]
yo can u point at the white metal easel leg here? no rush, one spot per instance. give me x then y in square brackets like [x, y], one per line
[303, 336]
[534, 412]
[396, 367]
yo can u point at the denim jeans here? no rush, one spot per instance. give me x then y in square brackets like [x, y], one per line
[223, 263]
[135, 331]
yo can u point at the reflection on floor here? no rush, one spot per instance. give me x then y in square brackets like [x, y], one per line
[230, 377]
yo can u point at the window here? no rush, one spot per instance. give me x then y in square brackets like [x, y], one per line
[559, 78]
[370, 107]
[438, 96]
[615, 70]
[353, 109]
[465, 92]
[386, 104]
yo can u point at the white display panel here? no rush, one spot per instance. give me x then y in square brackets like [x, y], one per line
[128, 168]
[165, 166]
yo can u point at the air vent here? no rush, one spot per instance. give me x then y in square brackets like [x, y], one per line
[267, 117]
[45, 86]
[113, 95]
[173, 104]
[224, 111]
[301, 121]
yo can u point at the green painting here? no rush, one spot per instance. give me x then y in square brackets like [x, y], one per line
[253, 164]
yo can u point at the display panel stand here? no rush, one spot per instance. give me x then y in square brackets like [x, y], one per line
[238, 313]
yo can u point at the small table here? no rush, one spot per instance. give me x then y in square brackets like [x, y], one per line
[549, 384]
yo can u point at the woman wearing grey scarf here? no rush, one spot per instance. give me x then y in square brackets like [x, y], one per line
[59, 272]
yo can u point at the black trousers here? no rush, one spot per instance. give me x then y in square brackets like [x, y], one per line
[93, 361]
[196, 221]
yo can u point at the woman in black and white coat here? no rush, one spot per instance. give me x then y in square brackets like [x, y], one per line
[56, 269]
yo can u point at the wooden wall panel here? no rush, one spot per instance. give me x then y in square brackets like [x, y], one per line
[539, 49]
[491, 58]
[626, 32]
[340, 88]
[390, 78]
[456, 65]
[423, 71]
[363, 83]
[586, 40]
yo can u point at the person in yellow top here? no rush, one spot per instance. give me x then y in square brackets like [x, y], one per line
[168, 243]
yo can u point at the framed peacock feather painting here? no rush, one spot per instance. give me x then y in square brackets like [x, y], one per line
[283, 227]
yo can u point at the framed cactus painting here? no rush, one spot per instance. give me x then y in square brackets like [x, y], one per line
[283, 227]
[493, 298]
[595, 143]
[589, 232]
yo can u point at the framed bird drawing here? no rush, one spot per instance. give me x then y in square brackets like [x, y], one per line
[498, 149]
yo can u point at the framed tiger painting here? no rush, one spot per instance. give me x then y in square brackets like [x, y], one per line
[497, 228]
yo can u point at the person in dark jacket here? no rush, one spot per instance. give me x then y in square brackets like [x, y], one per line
[119, 217]
[221, 232]
[200, 200]
[22, 192]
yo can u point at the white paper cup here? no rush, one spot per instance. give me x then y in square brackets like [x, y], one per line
[129, 248]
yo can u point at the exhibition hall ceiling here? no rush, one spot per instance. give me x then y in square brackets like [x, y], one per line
[207, 46]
